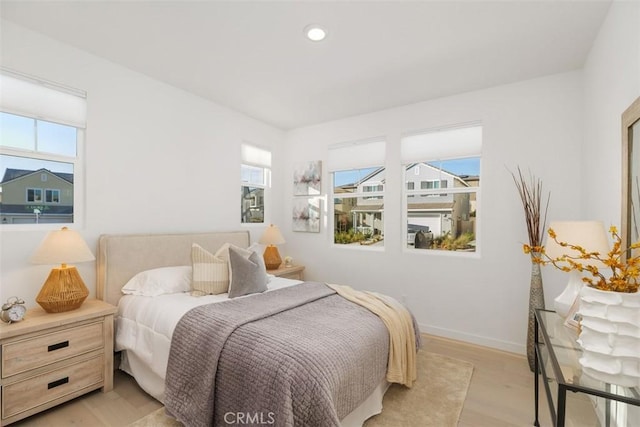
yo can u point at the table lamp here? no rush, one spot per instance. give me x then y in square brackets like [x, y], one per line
[64, 289]
[590, 235]
[271, 237]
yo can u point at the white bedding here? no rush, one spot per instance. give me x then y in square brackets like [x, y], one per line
[144, 326]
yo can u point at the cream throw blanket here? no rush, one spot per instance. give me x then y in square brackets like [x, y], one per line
[401, 367]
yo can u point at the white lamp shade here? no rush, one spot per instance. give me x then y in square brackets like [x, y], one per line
[590, 235]
[62, 247]
[271, 236]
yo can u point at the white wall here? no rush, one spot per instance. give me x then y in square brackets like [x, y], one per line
[612, 83]
[157, 159]
[565, 128]
[536, 124]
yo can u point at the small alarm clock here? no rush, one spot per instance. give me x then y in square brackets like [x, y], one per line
[13, 310]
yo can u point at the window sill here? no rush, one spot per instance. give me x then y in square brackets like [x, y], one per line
[436, 252]
[358, 247]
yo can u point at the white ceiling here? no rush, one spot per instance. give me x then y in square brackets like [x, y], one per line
[252, 56]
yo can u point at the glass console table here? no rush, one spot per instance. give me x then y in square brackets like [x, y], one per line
[593, 402]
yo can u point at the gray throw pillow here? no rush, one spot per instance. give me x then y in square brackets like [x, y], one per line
[247, 275]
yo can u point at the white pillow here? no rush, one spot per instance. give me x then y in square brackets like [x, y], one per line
[223, 252]
[158, 281]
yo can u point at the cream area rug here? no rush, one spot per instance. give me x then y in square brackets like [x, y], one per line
[436, 399]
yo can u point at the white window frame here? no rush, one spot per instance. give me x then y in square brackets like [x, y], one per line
[78, 180]
[55, 103]
[351, 156]
[362, 195]
[437, 192]
[258, 157]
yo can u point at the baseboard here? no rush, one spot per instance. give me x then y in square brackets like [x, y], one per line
[474, 339]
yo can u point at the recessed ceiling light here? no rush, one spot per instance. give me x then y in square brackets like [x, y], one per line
[315, 32]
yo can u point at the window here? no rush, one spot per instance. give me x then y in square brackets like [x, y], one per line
[358, 192]
[255, 176]
[41, 142]
[34, 195]
[31, 156]
[442, 214]
[429, 185]
[375, 188]
[52, 196]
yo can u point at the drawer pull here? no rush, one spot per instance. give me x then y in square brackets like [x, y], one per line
[56, 383]
[58, 346]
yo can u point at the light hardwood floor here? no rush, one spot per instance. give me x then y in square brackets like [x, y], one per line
[500, 394]
[501, 389]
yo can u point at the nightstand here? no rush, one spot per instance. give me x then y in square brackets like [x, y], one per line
[49, 358]
[293, 272]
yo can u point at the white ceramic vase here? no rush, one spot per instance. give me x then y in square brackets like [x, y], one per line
[610, 336]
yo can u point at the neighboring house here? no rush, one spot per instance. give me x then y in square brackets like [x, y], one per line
[439, 213]
[445, 212]
[368, 214]
[252, 204]
[364, 214]
[39, 196]
[342, 207]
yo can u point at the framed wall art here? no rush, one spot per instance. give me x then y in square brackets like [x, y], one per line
[307, 178]
[306, 214]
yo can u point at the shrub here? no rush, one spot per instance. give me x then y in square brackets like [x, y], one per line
[347, 237]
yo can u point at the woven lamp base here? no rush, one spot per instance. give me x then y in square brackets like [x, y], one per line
[272, 258]
[63, 290]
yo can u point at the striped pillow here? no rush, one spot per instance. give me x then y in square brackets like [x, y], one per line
[210, 273]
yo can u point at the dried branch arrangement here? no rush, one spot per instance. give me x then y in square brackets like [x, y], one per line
[531, 194]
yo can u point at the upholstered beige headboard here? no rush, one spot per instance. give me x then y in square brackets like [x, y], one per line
[120, 257]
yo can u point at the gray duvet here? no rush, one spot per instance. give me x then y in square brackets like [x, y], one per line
[298, 356]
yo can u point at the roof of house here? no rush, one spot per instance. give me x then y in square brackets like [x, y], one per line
[11, 174]
[462, 178]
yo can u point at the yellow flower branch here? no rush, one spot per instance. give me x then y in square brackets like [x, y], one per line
[625, 272]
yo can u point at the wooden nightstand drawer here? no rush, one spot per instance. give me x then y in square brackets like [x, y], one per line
[35, 391]
[50, 358]
[21, 356]
[295, 272]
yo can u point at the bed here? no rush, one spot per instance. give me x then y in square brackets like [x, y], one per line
[145, 329]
